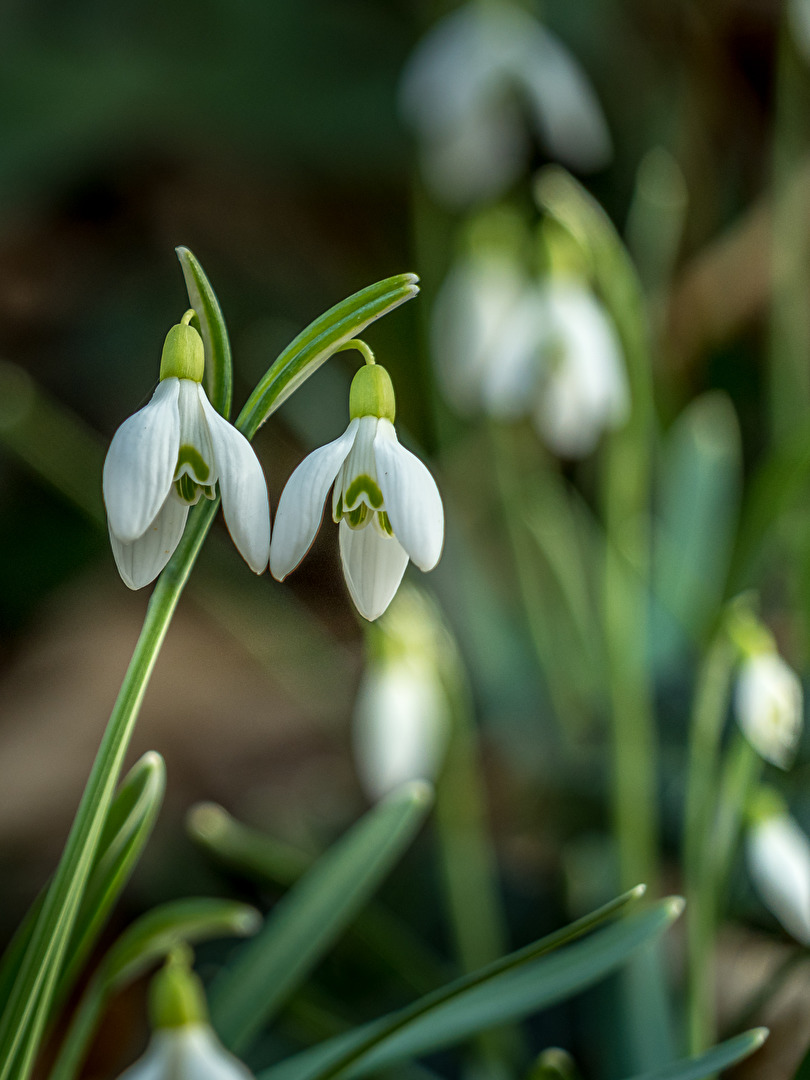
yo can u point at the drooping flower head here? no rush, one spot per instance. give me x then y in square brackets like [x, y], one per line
[169, 455]
[513, 343]
[183, 1046]
[769, 706]
[476, 87]
[402, 715]
[385, 500]
[778, 856]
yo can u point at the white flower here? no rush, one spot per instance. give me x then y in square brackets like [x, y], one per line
[474, 85]
[778, 856]
[516, 347]
[769, 706]
[402, 715]
[386, 501]
[189, 1052]
[168, 455]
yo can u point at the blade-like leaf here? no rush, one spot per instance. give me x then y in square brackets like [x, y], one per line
[218, 379]
[147, 941]
[318, 342]
[313, 914]
[712, 1061]
[511, 988]
[126, 830]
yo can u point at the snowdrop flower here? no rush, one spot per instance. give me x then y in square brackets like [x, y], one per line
[402, 713]
[768, 703]
[473, 86]
[778, 857]
[385, 500]
[183, 1045]
[167, 456]
[519, 347]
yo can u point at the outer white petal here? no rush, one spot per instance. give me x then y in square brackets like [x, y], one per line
[769, 707]
[778, 855]
[192, 1052]
[401, 725]
[140, 463]
[566, 109]
[373, 566]
[300, 508]
[141, 560]
[412, 500]
[242, 486]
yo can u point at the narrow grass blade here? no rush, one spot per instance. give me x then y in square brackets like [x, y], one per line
[126, 830]
[312, 915]
[147, 941]
[713, 1061]
[218, 380]
[511, 988]
[325, 336]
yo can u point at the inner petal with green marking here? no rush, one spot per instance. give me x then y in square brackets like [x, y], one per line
[363, 488]
[191, 462]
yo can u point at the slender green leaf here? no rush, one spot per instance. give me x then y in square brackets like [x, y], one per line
[700, 483]
[268, 860]
[319, 341]
[509, 989]
[126, 830]
[712, 1061]
[147, 941]
[218, 379]
[128, 826]
[313, 914]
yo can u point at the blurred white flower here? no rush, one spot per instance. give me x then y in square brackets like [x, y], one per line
[768, 702]
[402, 715]
[515, 347]
[476, 82]
[778, 856]
[401, 724]
[166, 457]
[386, 501]
[190, 1052]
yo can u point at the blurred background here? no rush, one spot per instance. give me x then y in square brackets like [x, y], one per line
[275, 141]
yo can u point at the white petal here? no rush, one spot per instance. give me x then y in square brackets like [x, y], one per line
[204, 1057]
[412, 500]
[195, 430]
[141, 560]
[139, 467]
[300, 508]
[567, 112]
[373, 566]
[778, 855]
[242, 486]
[401, 725]
[190, 1052]
[769, 707]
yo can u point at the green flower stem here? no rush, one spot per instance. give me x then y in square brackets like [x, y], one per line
[24, 1017]
[741, 771]
[709, 712]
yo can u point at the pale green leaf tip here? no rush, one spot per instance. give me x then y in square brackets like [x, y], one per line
[207, 820]
[247, 921]
[151, 760]
[674, 906]
[417, 793]
[758, 1036]
[638, 891]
